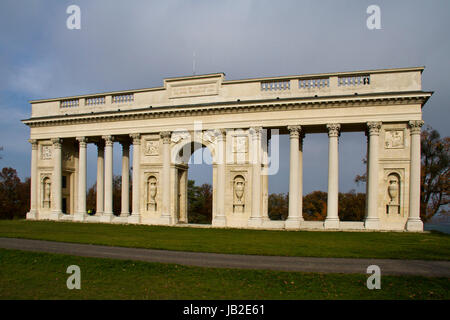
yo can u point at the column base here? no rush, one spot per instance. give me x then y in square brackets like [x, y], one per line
[106, 217]
[98, 214]
[134, 219]
[293, 223]
[372, 224]
[125, 214]
[414, 225]
[32, 215]
[166, 220]
[331, 224]
[219, 221]
[79, 216]
[255, 222]
[55, 215]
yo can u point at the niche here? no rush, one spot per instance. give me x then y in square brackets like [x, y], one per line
[393, 192]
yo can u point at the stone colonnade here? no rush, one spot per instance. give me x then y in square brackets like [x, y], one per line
[104, 205]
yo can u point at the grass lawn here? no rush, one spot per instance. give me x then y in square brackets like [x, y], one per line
[28, 275]
[394, 245]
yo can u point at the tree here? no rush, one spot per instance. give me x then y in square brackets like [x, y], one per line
[315, 206]
[199, 203]
[435, 176]
[278, 206]
[14, 195]
[352, 206]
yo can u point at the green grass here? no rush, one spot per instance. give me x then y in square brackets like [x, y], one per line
[394, 245]
[29, 275]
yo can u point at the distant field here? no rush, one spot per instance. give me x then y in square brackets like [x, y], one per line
[27, 275]
[393, 245]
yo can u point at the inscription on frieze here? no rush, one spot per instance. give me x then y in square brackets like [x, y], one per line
[205, 89]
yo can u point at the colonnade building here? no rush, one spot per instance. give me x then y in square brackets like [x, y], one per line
[234, 119]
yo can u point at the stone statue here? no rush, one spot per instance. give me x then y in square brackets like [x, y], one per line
[239, 189]
[47, 186]
[152, 190]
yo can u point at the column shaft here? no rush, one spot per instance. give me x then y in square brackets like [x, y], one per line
[125, 179]
[219, 219]
[372, 221]
[293, 220]
[136, 212]
[108, 213]
[332, 220]
[82, 174]
[57, 180]
[166, 217]
[32, 214]
[100, 178]
[256, 216]
[414, 222]
[300, 178]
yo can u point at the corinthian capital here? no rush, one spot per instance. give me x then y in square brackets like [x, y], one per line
[333, 129]
[165, 136]
[109, 140]
[57, 142]
[295, 131]
[256, 132]
[136, 138]
[374, 127]
[415, 126]
[34, 144]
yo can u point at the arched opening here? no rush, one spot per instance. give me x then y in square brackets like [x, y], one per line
[194, 187]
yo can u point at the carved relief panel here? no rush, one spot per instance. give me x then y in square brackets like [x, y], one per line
[46, 152]
[394, 139]
[151, 147]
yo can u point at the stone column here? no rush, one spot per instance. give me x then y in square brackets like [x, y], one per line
[293, 220]
[33, 213]
[332, 220]
[125, 212]
[80, 215]
[136, 212]
[219, 219]
[166, 217]
[414, 222]
[300, 177]
[108, 213]
[372, 221]
[256, 216]
[57, 180]
[100, 178]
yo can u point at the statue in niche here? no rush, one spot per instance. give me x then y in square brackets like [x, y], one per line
[239, 191]
[47, 189]
[393, 191]
[152, 190]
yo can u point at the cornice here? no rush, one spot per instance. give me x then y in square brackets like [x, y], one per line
[217, 108]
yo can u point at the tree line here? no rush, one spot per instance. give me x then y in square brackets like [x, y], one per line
[434, 196]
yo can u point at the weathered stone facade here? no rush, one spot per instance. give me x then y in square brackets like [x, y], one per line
[164, 126]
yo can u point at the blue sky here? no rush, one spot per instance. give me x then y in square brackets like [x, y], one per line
[136, 44]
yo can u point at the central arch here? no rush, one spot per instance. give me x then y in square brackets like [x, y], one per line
[186, 152]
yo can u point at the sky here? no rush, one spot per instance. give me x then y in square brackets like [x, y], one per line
[136, 44]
